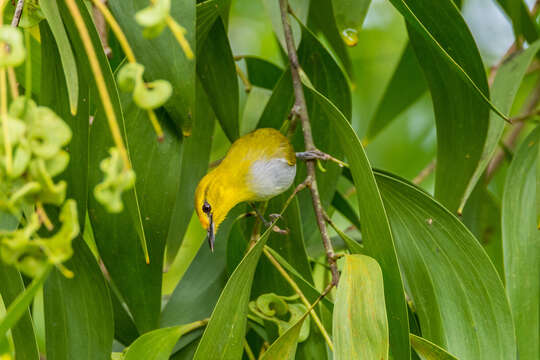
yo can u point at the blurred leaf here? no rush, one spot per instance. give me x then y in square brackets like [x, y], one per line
[11, 285]
[321, 19]
[522, 21]
[455, 289]
[521, 247]
[125, 330]
[376, 234]
[162, 56]
[284, 347]
[444, 44]
[217, 72]
[223, 337]
[262, 73]
[72, 333]
[428, 350]
[405, 87]
[157, 344]
[19, 305]
[350, 15]
[33, 53]
[343, 206]
[360, 327]
[437, 37]
[503, 92]
[52, 15]
[195, 154]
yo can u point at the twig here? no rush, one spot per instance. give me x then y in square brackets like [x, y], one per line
[304, 300]
[245, 80]
[248, 350]
[525, 116]
[42, 214]
[301, 108]
[101, 25]
[424, 173]
[18, 12]
[511, 140]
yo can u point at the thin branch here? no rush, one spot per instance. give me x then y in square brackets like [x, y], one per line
[18, 12]
[101, 25]
[304, 300]
[424, 173]
[512, 138]
[300, 108]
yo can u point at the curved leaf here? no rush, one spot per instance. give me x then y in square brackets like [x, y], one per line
[360, 326]
[262, 73]
[376, 233]
[455, 289]
[503, 92]
[162, 56]
[223, 337]
[157, 344]
[521, 249]
[284, 348]
[462, 117]
[52, 14]
[428, 350]
[217, 72]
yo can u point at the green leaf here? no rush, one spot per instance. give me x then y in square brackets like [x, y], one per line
[262, 73]
[163, 57]
[360, 326]
[69, 66]
[217, 72]
[19, 306]
[405, 87]
[285, 346]
[195, 154]
[520, 245]
[456, 291]
[522, 21]
[428, 350]
[443, 45]
[350, 15]
[439, 34]
[196, 294]
[223, 337]
[503, 92]
[377, 237]
[158, 344]
[11, 285]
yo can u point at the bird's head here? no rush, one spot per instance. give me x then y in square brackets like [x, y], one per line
[214, 198]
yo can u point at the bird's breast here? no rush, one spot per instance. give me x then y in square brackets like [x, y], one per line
[270, 177]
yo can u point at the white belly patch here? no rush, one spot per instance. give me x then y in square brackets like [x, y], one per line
[271, 177]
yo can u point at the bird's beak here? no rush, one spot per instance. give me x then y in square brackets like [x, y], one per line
[211, 233]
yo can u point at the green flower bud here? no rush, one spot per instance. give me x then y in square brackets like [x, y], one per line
[13, 53]
[154, 18]
[153, 94]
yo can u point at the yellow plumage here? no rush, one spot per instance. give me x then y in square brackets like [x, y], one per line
[258, 165]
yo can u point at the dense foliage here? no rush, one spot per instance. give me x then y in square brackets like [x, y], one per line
[392, 245]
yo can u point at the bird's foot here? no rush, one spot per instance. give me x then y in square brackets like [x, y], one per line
[318, 155]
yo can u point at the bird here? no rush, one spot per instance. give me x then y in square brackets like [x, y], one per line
[257, 167]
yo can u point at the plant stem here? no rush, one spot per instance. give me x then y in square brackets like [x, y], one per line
[13, 85]
[178, 32]
[100, 81]
[155, 124]
[248, 350]
[300, 108]
[18, 13]
[304, 300]
[243, 77]
[117, 30]
[424, 173]
[4, 116]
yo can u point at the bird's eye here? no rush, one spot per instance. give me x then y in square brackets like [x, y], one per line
[206, 207]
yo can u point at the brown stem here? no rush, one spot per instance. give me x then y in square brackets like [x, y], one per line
[301, 109]
[18, 13]
[424, 173]
[511, 140]
[101, 26]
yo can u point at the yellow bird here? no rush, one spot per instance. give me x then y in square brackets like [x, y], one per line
[257, 167]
